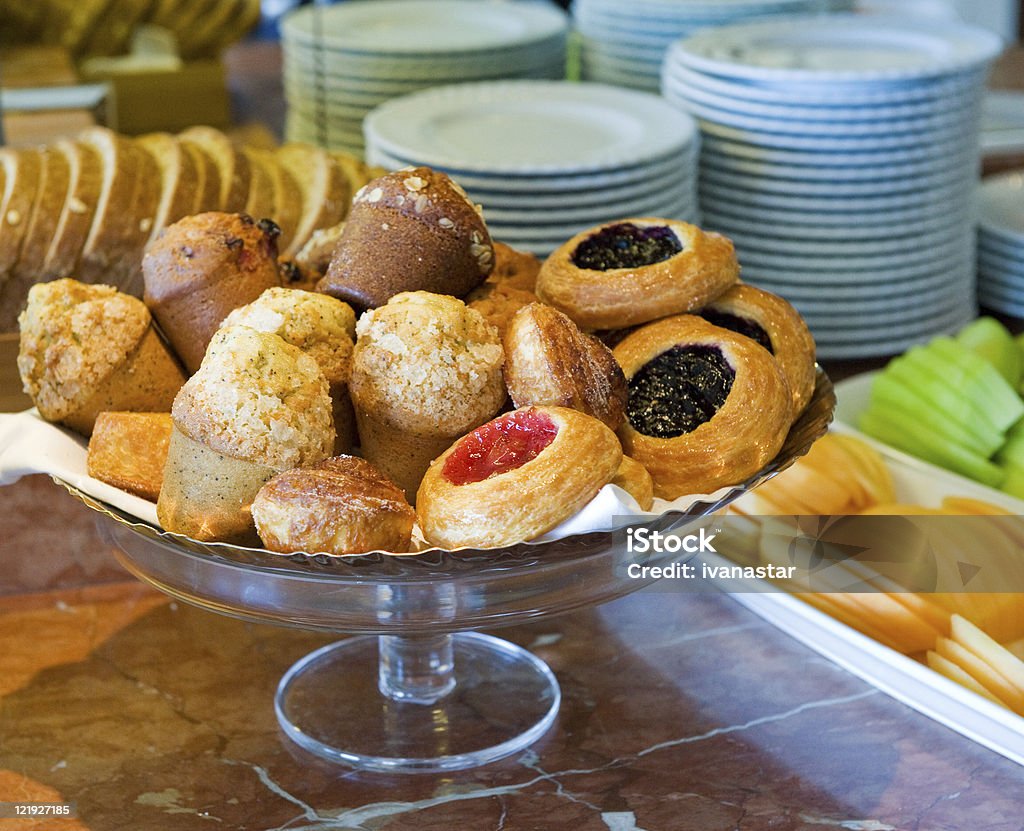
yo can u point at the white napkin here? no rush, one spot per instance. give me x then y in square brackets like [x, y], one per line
[28, 444]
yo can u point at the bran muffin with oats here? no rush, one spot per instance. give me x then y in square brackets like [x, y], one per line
[256, 406]
[411, 230]
[426, 370]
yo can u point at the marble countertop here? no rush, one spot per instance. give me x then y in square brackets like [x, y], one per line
[680, 711]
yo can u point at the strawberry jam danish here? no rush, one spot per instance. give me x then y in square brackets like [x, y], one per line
[516, 477]
[707, 407]
[636, 270]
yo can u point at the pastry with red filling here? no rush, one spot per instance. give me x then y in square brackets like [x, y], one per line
[707, 407]
[636, 270]
[515, 478]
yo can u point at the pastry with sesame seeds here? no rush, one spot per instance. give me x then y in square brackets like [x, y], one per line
[411, 230]
[426, 370]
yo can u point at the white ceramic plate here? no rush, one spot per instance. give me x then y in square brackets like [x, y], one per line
[821, 96]
[413, 27]
[1003, 246]
[952, 193]
[895, 176]
[842, 287]
[539, 229]
[530, 127]
[956, 139]
[655, 175]
[838, 250]
[646, 204]
[872, 160]
[945, 123]
[825, 188]
[810, 229]
[1001, 201]
[997, 261]
[867, 261]
[709, 91]
[885, 222]
[840, 49]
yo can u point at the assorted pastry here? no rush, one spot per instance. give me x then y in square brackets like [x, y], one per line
[425, 386]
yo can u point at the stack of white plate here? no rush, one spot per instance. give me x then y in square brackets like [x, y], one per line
[624, 43]
[1001, 243]
[841, 155]
[342, 61]
[546, 159]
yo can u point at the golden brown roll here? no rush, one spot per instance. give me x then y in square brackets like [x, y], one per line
[322, 327]
[636, 270]
[411, 230]
[548, 360]
[89, 348]
[516, 478]
[342, 505]
[256, 406]
[129, 451]
[200, 268]
[777, 326]
[514, 268]
[425, 371]
[707, 407]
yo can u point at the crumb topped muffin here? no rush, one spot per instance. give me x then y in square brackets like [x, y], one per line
[258, 398]
[428, 362]
[83, 347]
[426, 370]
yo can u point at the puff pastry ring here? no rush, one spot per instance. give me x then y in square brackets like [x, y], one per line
[515, 477]
[707, 407]
[777, 326]
[636, 270]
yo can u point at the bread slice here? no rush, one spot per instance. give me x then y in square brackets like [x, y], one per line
[50, 195]
[232, 165]
[200, 42]
[143, 208]
[260, 204]
[85, 178]
[180, 179]
[22, 170]
[287, 198]
[207, 192]
[325, 191]
[123, 220]
[246, 16]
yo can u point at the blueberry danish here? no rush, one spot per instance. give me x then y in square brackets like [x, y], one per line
[707, 407]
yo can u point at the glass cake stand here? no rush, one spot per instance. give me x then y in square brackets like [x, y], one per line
[422, 690]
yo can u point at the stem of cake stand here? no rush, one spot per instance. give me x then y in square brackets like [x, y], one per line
[417, 703]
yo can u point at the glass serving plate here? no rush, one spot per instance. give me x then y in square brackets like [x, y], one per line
[422, 690]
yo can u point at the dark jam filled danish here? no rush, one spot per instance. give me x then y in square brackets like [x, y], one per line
[636, 270]
[707, 407]
[777, 326]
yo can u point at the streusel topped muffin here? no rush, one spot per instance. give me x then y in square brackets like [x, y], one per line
[426, 370]
[86, 347]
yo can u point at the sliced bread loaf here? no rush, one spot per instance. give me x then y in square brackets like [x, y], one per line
[207, 195]
[325, 191]
[179, 179]
[287, 198]
[260, 204]
[85, 179]
[21, 179]
[232, 165]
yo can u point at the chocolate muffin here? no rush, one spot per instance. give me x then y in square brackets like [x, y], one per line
[411, 230]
